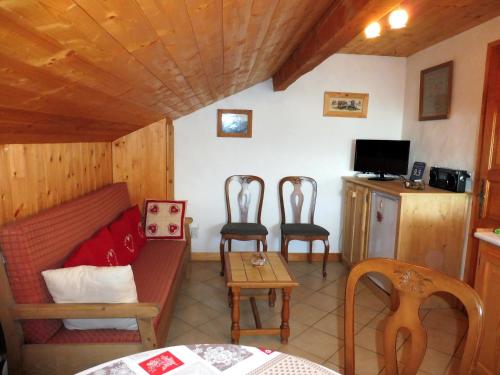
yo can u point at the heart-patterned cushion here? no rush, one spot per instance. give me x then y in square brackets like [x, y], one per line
[165, 219]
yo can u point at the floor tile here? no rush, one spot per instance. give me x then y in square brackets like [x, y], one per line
[362, 315]
[193, 336]
[366, 298]
[177, 328]
[366, 361]
[434, 362]
[449, 321]
[317, 343]
[323, 302]
[196, 314]
[306, 314]
[313, 283]
[334, 325]
[372, 339]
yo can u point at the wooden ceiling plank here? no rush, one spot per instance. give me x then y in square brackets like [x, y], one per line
[206, 21]
[262, 14]
[305, 20]
[236, 15]
[274, 35]
[430, 22]
[65, 22]
[304, 16]
[171, 21]
[340, 24]
[125, 21]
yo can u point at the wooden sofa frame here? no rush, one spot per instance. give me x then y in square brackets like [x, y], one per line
[33, 359]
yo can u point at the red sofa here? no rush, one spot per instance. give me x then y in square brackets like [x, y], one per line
[43, 242]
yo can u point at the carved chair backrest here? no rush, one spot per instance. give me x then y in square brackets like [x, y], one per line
[297, 197]
[414, 284]
[244, 197]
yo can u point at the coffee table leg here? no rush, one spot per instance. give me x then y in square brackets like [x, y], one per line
[285, 315]
[235, 316]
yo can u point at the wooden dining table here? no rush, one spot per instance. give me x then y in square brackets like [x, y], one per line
[209, 359]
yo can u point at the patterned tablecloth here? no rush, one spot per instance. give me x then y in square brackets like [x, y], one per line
[209, 359]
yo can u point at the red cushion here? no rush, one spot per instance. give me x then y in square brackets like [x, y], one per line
[97, 251]
[133, 214]
[125, 246]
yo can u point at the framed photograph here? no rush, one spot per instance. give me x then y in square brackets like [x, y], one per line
[234, 123]
[345, 104]
[435, 92]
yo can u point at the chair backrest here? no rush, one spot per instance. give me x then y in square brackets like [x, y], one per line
[413, 285]
[297, 198]
[244, 197]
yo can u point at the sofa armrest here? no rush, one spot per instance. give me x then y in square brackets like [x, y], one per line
[84, 310]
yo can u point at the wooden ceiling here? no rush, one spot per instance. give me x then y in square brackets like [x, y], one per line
[104, 63]
[431, 21]
[94, 70]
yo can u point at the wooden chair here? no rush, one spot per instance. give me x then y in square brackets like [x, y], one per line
[243, 230]
[413, 285]
[301, 231]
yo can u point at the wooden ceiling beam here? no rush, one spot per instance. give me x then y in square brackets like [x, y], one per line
[340, 24]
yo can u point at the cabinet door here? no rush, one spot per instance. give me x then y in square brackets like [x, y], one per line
[356, 204]
[360, 224]
[348, 228]
[488, 286]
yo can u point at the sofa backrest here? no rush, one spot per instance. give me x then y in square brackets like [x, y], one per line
[43, 241]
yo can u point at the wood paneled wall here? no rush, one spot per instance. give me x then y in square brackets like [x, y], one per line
[38, 176]
[144, 159]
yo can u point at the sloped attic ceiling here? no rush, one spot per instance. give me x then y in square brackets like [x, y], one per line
[94, 70]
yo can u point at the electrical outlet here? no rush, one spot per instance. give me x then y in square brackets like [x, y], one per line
[194, 231]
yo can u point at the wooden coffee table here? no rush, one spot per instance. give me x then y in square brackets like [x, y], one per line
[274, 274]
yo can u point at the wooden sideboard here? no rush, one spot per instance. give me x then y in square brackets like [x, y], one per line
[487, 284]
[430, 223]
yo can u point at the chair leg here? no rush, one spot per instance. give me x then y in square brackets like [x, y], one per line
[310, 255]
[221, 248]
[284, 250]
[258, 245]
[264, 244]
[229, 242]
[325, 256]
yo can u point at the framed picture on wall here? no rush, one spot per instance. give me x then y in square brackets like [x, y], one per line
[345, 104]
[234, 123]
[435, 92]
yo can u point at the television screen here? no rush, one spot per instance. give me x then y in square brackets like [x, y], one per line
[382, 156]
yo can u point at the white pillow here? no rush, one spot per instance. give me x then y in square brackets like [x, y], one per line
[89, 284]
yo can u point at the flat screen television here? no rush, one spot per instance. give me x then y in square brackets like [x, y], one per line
[381, 157]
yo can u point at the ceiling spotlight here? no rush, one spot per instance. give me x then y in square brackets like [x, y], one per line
[398, 18]
[372, 30]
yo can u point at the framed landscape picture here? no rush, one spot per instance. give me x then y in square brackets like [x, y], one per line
[234, 123]
[435, 92]
[345, 104]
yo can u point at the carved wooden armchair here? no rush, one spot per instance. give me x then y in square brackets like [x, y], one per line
[297, 230]
[412, 285]
[243, 230]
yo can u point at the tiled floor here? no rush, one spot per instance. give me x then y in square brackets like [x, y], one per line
[202, 316]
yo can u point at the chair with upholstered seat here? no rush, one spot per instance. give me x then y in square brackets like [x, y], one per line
[243, 230]
[297, 230]
[411, 286]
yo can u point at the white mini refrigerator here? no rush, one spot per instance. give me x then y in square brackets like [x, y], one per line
[383, 226]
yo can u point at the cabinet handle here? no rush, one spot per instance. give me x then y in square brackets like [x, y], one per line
[480, 197]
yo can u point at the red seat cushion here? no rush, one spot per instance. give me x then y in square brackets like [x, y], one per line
[125, 246]
[133, 214]
[154, 274]
[97, 251]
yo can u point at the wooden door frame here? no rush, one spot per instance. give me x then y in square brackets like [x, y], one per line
[473, 243]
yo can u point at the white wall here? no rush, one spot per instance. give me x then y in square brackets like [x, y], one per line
[451, 142]
[290, 137]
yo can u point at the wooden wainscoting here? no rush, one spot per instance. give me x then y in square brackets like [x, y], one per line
[34, 177]
[144, 160]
